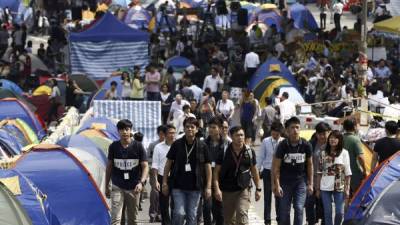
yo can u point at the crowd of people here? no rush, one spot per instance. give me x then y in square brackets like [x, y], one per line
[209, 179]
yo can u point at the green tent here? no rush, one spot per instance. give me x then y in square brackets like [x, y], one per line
[11, 212]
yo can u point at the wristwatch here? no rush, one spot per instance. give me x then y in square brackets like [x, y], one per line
[258, 189]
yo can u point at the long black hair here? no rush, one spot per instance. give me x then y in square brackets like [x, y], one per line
[337, 134]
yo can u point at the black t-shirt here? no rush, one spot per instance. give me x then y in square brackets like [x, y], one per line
[126, 171]
[294, 160]
[386, 147]
[228, 175]
[181, 177]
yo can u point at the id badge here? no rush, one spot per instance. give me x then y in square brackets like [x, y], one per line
[188, 168]
[126, 176]
[212, 164]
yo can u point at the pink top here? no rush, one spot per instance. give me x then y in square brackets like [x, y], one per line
[152, 87]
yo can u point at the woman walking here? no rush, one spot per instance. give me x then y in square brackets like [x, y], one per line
[333, 178]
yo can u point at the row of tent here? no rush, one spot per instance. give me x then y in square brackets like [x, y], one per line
[268, 14]
[62, 183]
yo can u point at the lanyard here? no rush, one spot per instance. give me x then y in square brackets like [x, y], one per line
[237, 160]
[188, 153]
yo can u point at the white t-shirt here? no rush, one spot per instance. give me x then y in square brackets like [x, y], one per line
[160, 157]
[327, 181]
[212, 83]
[251, 60]
[287, 109]
[226, 108]
[338, 8]
[176, 108]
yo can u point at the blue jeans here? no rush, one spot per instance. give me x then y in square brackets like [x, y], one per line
[338, 198]
[296, 192]
[185, 206]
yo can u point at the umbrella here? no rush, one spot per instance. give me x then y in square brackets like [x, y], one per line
[36, 63]
[85, 82]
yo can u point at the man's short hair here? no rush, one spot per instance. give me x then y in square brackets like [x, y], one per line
[349, 125]
[185, 107]
[138, 137]
[114, 83]
[123, 124]
[161, 129]
[169, 126]
[322, 127]
[215, 121]
[285, 94]
[293, 120]
[277, 126]
[391, 127]
[268, 100]
[235, 129]
[192, 121]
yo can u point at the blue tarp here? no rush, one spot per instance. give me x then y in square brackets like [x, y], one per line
[303, 19]
[9, 85]
[12, 109]
[13, 5]
[10, 143]
[264, 72]
[71, 193]
[110, 130]
[85, 144]
[109, 28]
[178, 62]
[372, 187]
[32, 200]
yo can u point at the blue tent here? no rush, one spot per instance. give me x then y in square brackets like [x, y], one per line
[371, 188]
[108, 45]
[10, 143]
[303, 18]
[270, 68]
[267, 17]
[138, 18]
[16, 133]
[110, 128]
[32, 200]
[71, 191]
[9, 85]
[11, 108]
[13, 5]
[178, 62]
[85, 144]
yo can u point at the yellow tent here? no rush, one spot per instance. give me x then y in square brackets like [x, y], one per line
[391, 25]
[42, 90]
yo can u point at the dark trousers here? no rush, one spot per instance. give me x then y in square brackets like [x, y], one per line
[212, 211]
[314, 210]
[250, 72]
[267, 183]
[322, 19]
[336, 19]
[164, 205]
[153, 96]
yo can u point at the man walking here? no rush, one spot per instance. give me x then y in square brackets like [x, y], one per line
[234, 169]
[159, 160]
[386, 147]
[127, 168]
[292, 173]
[352, 143]
[188, 165]
[264, 163]
[215, 145]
